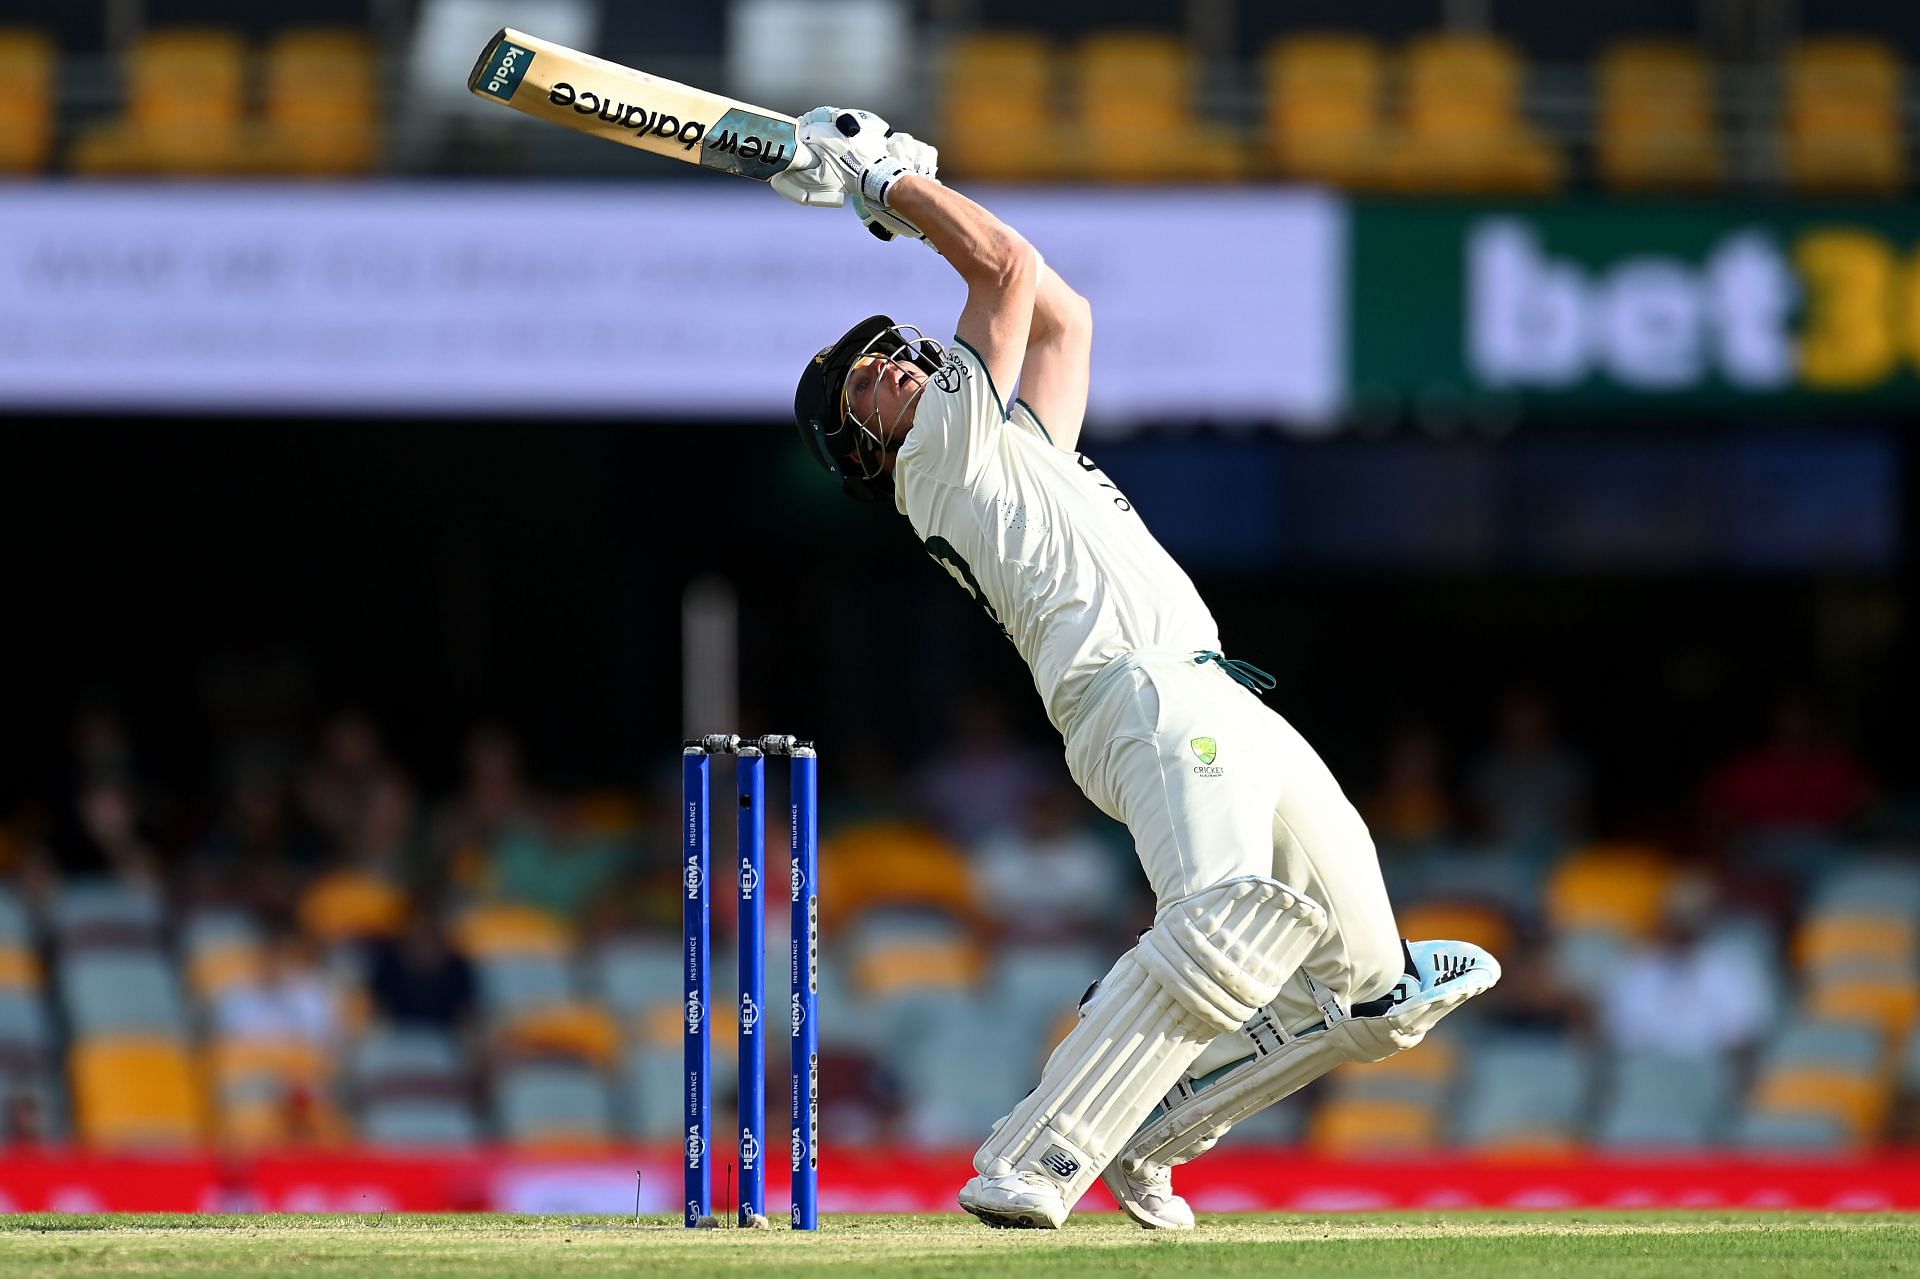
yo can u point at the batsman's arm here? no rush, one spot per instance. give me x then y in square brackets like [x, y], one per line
[1053, 381]
[1002, 271]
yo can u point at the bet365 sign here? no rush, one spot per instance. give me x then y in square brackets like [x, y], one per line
[1623, 306]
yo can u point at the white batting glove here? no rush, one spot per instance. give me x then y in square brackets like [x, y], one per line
[817, 187]
[820, 185]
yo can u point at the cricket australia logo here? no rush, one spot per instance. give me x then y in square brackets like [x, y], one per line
[749, 1150]
[1206, 750]
[692, 878]
[749, 1014]
[696, 1148]
[949, 375]
[749, 880]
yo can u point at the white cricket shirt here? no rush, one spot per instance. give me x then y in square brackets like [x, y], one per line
[1039, 537]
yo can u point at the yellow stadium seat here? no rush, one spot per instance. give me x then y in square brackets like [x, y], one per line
[893, 864]
[660, 1026]
[19, 968]
[933, 963]
[1462, 128]
[997, 109]
[1371, 1126]
[584, 1031]
[1617, 888]
[1482, 925]
[1323, 109]
[26, 100]
[272, 1092]
[501, 928]
[1656, 117]
[217, 969]
[1843, 116]
[136, 1091]
[1836, 938]
[351, 905]
[1858, 1101]
[1135, 114]
[185, 109]
[1891, 1003]
[1431, 1062]
[322, 112]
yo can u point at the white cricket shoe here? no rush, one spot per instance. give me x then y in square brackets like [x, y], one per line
[1147, 1196]
[1018, 1200]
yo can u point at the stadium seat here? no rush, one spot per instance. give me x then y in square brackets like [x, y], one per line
[1136, 118]
[1841, 936]
[513, 984]
[896, 952]
[419, 1124]
[1524, 1092]
[633, 974]
[1617, 888]
[271, 1093]
[892, 864]
[1323, 109]
[136, 1092]
[1655, 1102]
[26, 100]
[1844, 121]
[25, 1037]
[497, 930]
[1885, 997]
[1783, 1131]
[1461, 921]
[1344, 1127]
[1031, 985]
[223, 951]
[19, 967]
[411, 1087]
[185, 109]
[553, 1106]
[1873, 886]
[322, 109]
[1856, 1101]
[121, 993]
[351, 906]
[107, 914]
[1657, 128]
[1462, 129]
[996, 112]
[586, 1032]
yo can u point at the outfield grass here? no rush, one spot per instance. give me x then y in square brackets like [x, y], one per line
[1402, 1246]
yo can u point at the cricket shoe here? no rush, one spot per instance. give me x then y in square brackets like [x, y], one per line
[1440, 976]
[1147, 1196]
[1016, 1201]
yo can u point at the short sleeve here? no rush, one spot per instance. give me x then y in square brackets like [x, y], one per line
[958, 414]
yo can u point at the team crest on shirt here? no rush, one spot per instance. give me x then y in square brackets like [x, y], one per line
[1206, 750]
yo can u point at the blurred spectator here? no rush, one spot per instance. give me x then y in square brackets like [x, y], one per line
[107, 835]
[22, 1119]
[560, 866]
[258, 847]
[1530, 790]
[383, 838]
[1678, 995]
[980, 779]
[292, 1000]
[494, 796]
[339, 784]
[102, 747]
[1530, 997]
[1411, 806]
[418, 980]
[1050, 878]
[1800, 779]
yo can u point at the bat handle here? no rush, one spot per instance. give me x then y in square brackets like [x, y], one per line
[803, 158]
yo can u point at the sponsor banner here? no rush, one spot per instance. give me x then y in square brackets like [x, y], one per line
[644, 300]
[1595, 306]
[648, 1181]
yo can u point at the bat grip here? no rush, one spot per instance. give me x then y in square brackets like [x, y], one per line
[803, 158]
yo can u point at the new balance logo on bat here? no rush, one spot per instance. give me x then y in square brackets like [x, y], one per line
[585, 101]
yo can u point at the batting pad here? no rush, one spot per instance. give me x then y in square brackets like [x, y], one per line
[1190, 1127]
[1209, 962]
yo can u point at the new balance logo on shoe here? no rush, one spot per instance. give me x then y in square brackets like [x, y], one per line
[1452, 966]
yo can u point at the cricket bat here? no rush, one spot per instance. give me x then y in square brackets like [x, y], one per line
[564, 86]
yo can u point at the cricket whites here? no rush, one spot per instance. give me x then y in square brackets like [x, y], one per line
[563, 86]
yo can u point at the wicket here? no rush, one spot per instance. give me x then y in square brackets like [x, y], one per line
[803, 973]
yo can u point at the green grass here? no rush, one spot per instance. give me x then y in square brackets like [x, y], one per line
[1401, 1246]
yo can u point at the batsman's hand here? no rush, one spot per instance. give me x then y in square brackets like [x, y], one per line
[828, 132]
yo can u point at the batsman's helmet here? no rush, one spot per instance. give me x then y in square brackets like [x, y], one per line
[845, 447]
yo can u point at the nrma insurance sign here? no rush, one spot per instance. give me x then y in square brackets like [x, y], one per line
[1621, 305]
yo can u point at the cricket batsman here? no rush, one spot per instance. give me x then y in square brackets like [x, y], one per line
[1273, 955]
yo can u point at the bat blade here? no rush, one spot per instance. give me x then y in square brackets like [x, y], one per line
[564, 86]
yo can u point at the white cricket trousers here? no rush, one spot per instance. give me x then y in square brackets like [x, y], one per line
[1214, 786]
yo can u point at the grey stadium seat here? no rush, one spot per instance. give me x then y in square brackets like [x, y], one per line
[542, 1101]
[114, 992]
[1522, 1088]
[1656, 1102]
